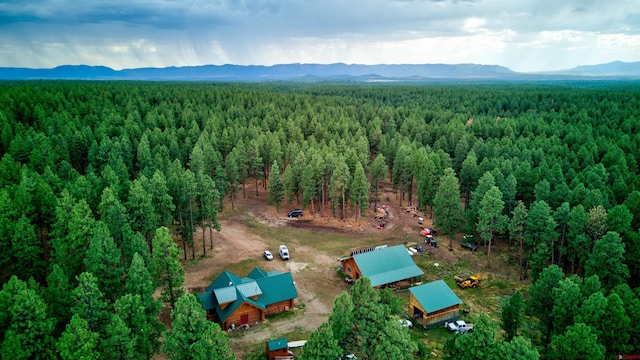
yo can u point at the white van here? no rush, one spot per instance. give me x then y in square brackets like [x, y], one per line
[284, 252]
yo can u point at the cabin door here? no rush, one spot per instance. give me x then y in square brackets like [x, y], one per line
[244, 319]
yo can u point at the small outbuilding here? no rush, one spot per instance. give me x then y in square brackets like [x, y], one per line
[384, 266]
[278, 349]
[433, 304]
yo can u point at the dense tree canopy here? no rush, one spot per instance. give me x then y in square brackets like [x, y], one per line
[90, 170]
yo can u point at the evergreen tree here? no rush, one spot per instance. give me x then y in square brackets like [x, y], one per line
[341, 321]
[490, 219]
[322, 345]
[511, 315]
[359, 191]
[519, 348]
[71, 233]
[541, 299]
[276, 187]
[28, 334]
[27, 251]
[192, 336]
[567, 301]
[479, 344]
[142, 215]
[114, 215]
[104, 258]
[118, 343]
[59, 298]
[446, 206]
[138, 282]
[378, 170]
[339, 186]
[145, 330]
[607, 261]
[78, 342]
[517, 230]
[165, 261]
[616, 324]
[578, 342]
[90, 304]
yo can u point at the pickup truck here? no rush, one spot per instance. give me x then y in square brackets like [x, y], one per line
[459, 327]
[284, 252]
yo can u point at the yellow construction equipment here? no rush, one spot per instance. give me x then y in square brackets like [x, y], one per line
[468, 281]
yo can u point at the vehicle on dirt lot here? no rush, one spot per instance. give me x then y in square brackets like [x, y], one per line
[268, 255]
[469, 246]
[295, 213]
[284, 252]
[471, 282]
[459, 326]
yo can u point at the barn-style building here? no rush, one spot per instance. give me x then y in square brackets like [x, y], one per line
[233, 301]
[433, 304]
[385, 266]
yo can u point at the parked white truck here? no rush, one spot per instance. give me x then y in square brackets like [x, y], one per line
[459, 326]
[284, 252]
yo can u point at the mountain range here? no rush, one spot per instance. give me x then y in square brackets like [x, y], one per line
[321, 72]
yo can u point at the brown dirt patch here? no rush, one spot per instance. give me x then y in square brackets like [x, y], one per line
[315, 242]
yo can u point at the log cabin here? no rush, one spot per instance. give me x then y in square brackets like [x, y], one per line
[238, 302]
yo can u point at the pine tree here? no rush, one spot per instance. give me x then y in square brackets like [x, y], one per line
[27, 250]
[359, 191]
[145, 329]
[29, 330]
[578, 342]
[78, 342]
[511, 315]
[169, 271]
[59, 298]
[607, 261]
[276, 187]
[490, 219]
[378, 170]
[90, 304]
[322, 345]
[192, 336]
[541, 299]
[104, 258]
[446, 206]
[114, 215]
[118, 344]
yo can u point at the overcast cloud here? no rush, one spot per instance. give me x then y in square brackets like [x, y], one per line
[524, 35]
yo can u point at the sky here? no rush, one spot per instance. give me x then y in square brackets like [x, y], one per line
[523, 35]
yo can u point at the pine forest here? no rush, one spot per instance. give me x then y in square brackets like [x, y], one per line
[109, 189]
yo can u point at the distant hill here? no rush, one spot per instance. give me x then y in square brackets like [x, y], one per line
[317, 72]
[612, 69]
[304, 72]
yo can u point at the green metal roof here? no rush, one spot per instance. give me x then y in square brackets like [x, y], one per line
[387, 265]
[277, 288]
[249, 289]
[270, 287]
[277, 344]
[435, 296]
[207, 300]
[225, 279]
[257, 273]
[225, 294]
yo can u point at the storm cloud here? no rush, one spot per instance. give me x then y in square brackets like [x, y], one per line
[524, 35]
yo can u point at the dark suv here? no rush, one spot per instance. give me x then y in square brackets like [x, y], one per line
[295, 213]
